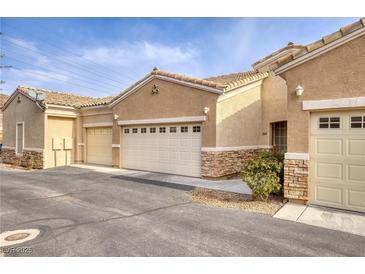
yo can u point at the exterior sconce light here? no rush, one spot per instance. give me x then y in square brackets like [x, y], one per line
[206, 110]
[299, 90]
[116, 116]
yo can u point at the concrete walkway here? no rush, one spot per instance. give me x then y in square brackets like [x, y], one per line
[341, 220]
[233, 185]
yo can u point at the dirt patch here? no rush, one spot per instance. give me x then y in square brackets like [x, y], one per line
[235, 200]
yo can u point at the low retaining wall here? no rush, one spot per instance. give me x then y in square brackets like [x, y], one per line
[9, 156]
[296, 174]
[217, 164]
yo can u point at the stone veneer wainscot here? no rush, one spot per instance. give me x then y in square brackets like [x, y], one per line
[217, 164]
[9, 156]
[296, 172]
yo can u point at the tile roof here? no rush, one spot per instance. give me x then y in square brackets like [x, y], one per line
[233, 80]
[344, 31]
[66, 99]
[3, 99]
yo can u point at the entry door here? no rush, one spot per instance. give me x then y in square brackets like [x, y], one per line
[171, 149]
[337, 159]
[99, 146]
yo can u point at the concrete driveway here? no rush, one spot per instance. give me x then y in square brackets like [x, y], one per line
[86, 213]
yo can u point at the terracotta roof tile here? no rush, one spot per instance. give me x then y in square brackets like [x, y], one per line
[324, 41]
[66, 99]
[234, 80]
[3, 99]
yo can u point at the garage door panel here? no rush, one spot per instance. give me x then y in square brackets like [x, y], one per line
[329, 146]
[337, 168]
[356, 198]
[356, 173]
[172, 151]
[99, 146]
[356, 147]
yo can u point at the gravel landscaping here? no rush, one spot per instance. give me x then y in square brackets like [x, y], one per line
[234, 200]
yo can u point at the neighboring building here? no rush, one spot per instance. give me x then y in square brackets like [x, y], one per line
[165, 122]
[208, 128]
[325, 162]
[3, 98]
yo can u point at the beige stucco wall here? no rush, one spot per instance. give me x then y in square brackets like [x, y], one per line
[33, 117]
[172, 100]
[239, 117]
[274, 105]
[102, 118]
[58, 127]
[339, 73]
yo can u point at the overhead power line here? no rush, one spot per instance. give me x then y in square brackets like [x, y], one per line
[49, 33]
[73, 75]
[65, 62]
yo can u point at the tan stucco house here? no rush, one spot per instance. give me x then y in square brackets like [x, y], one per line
[307, 101]
[3, 99]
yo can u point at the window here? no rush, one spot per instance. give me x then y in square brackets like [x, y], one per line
[196, 128]
[19, 138]
[135, 130]
[329, 122]
[184, 129]
[143, 130]
[152, 130]
[357, 121]
[172, 129]
[162, 129]
[279, 136]
[126, 130]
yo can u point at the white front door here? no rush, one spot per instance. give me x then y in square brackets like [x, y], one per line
[171, 149]
[337, 159]
[99, 145]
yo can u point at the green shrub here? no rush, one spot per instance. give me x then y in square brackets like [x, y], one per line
[262, 174]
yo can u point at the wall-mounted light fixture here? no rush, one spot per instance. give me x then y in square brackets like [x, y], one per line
[299, 90]
[206, 110]
[116, 116]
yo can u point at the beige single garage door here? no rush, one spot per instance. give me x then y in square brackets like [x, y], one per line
[171, 149]
[337, 159]
[99, 146]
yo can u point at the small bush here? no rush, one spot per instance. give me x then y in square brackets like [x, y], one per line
[262, 174]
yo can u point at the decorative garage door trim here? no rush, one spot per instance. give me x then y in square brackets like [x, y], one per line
[334, 103]
[337, 159]
[102, 124]
[163, 120]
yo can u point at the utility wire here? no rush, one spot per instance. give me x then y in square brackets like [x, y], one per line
[57, 79]
[72, 53]
[63, 61]
[73, 75]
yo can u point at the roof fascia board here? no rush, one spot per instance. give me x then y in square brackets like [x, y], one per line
[13, 96]
[188, 119]
[311, 55]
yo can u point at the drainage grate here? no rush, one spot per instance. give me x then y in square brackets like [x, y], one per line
[17, 236]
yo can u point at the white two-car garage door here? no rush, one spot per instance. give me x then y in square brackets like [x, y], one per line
[171, 149]
[337, 159]
[99, 145]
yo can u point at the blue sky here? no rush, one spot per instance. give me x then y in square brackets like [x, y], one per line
[103, 56]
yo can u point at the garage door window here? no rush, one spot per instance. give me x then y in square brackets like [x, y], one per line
[358, 122]
[135, 130]
[143, 130]
[329, 122]
[152, 130]
[196, 128]
[172, 129]
[126, 130]
[184, 129]
[162, 130]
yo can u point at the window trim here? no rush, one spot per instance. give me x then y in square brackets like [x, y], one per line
[16, 138]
